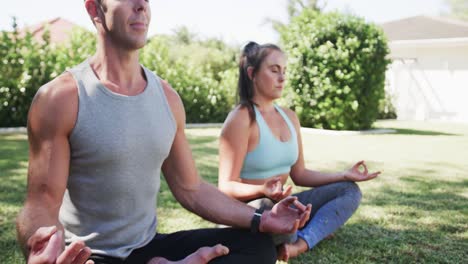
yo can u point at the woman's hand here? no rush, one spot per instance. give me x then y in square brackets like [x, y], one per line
[273, 189]
[356, 175]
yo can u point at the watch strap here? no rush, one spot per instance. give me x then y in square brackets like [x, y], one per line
[255, 222]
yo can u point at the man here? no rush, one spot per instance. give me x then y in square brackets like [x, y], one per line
[99, 135]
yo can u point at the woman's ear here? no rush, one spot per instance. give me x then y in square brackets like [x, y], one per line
[250, 72]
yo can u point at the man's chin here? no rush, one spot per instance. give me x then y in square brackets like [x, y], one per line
[136, 45]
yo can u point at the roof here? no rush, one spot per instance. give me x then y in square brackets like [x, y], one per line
[58, 28]
[425, 27]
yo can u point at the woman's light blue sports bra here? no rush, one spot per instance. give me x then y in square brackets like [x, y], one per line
[271, 156]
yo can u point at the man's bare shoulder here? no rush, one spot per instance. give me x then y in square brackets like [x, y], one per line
[175, 102]
[55, 104]
[59, 88]
[171, 94]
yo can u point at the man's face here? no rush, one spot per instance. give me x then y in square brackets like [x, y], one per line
[125, 22]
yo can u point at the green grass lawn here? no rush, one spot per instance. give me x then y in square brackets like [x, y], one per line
[415, 212]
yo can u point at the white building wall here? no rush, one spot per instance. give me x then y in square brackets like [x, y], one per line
[429, 82]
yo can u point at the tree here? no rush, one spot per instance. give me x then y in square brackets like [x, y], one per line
[458, 9]
[184, 36]
[294, 8]
[26, 65]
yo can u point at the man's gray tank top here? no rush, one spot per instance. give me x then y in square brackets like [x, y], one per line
[117, 148]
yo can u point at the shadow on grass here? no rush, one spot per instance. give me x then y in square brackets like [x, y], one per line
[406, 131]
[371, 242]
[10, 251]
[13, 157]
[205, 152]
[423, 194]
[13, 160]
[13, 191]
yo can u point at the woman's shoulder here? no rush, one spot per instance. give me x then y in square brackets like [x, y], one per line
[291, 114]
[240, 110]
[238, 118]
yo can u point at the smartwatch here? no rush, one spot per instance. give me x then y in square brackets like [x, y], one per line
[255, 222]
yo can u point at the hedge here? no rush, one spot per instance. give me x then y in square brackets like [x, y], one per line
[336, 70]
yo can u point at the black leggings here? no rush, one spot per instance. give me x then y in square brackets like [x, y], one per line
[244, 247]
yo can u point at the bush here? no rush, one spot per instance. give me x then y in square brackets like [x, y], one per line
[80, 46]
[203, 75]
[202, 72]
[336, 70]
[25, 66]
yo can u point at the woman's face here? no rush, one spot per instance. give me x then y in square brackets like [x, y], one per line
[269, 79]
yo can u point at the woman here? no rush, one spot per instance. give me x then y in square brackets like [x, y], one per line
[260, 147]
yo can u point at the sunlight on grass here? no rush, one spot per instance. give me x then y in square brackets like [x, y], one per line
[179, 219]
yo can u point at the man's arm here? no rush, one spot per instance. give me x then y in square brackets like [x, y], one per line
[206, 200]
[51, 118]
[189, 189]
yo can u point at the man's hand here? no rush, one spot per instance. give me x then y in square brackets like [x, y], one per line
[201, 256]
[273, 189]
[46, 247]
[283, 218]
[356, 175]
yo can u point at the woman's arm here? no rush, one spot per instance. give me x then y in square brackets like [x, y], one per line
[302, 176]
[233, 147]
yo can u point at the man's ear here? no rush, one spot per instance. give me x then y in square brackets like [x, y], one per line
[92, 8]
[250, 72]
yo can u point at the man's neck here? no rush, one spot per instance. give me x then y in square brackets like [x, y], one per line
[119, 70]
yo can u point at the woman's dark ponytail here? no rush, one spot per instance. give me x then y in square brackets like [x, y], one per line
[252, 55]
[245, 87]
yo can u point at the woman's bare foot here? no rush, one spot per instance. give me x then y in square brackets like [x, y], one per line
[201, 256]
[287, 251]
